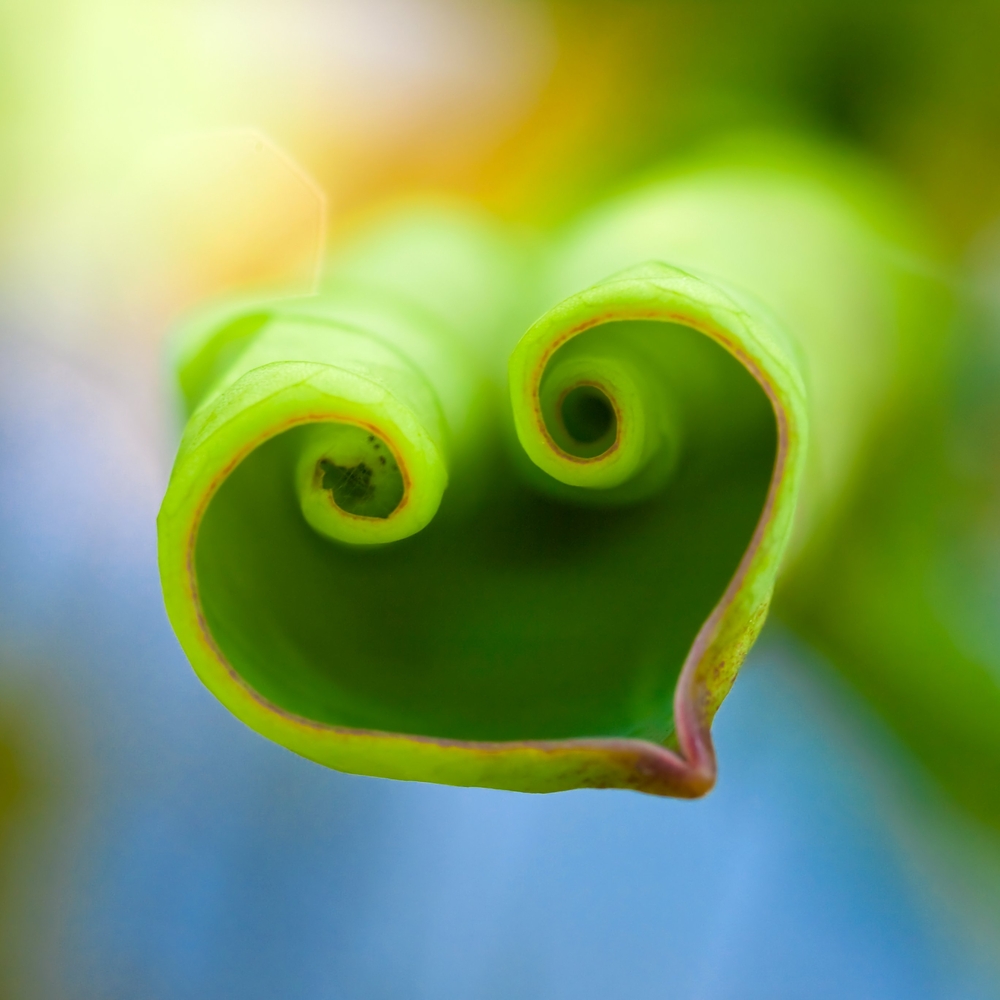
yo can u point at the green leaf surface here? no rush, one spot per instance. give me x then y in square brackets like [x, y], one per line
[552, 580]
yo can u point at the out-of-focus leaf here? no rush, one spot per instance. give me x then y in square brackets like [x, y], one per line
[904, 593]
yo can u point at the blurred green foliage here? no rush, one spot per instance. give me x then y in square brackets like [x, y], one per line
[913, 84]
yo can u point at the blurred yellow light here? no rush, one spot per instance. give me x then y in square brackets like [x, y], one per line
[227, 210]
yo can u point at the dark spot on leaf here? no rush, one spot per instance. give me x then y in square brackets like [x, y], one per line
[350, 486]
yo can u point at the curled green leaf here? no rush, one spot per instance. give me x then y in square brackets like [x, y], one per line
[574, 559]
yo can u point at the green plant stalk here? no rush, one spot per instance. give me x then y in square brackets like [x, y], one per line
[566, 606]
[901, 591]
